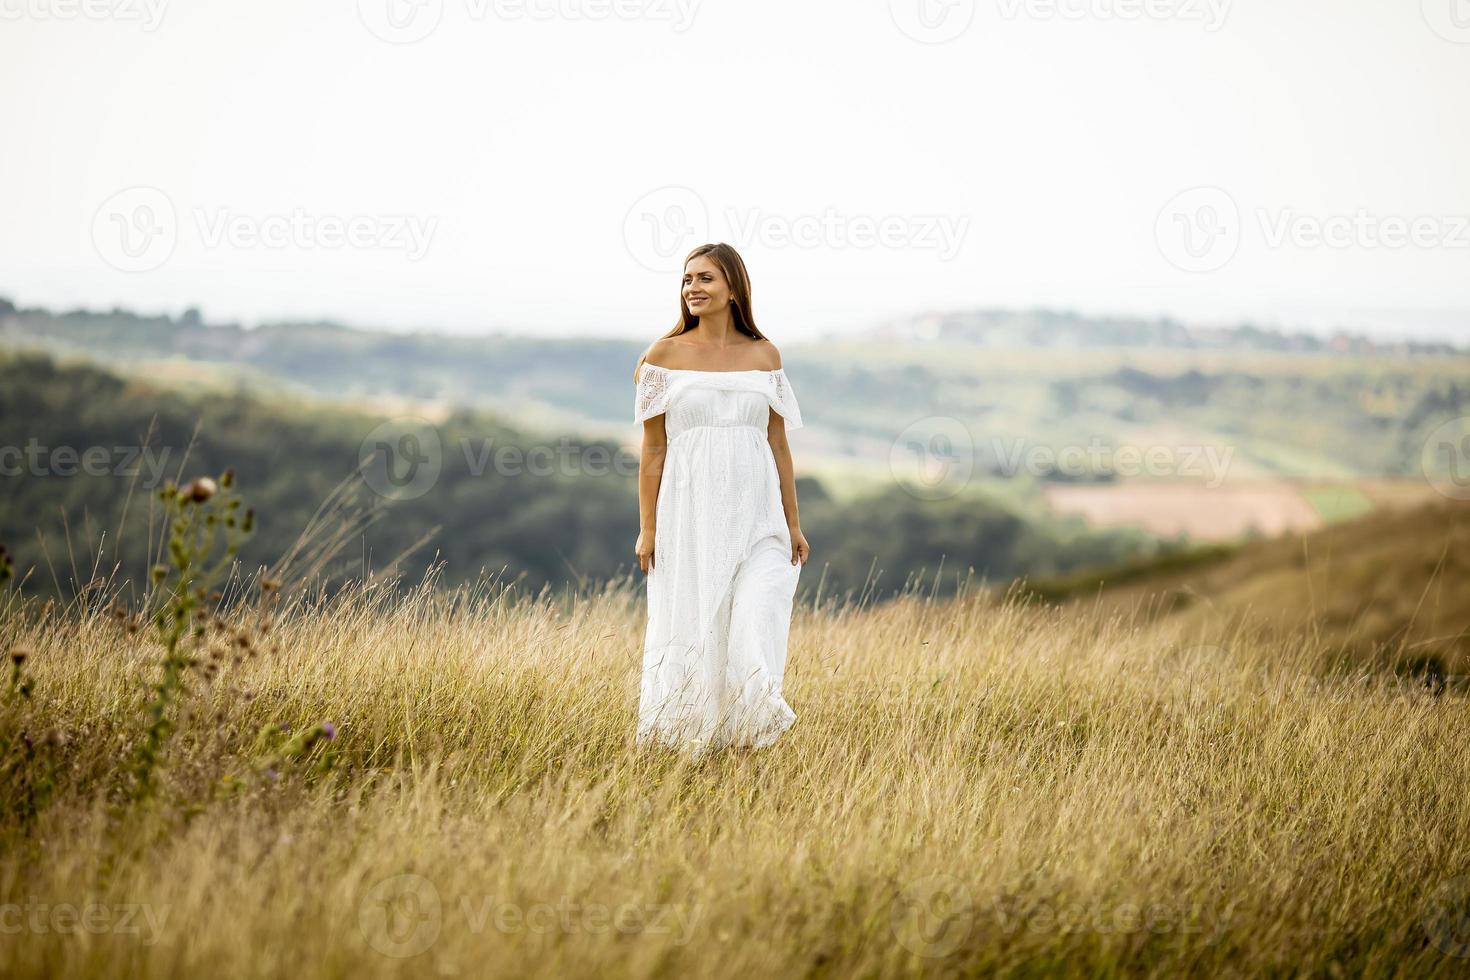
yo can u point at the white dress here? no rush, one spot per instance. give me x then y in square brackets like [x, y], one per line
[721, 587]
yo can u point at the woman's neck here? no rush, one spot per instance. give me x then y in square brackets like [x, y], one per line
[718, 329]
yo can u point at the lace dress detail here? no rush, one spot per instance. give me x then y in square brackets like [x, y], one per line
[653, 393]
[656, 385]
[784, 401]
[722, 584]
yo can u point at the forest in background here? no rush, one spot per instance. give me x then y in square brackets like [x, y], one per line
[290, 407]
[545, 528]
[1284, 405]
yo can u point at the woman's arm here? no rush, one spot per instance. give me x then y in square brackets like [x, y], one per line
[650, 475]
[781, 450]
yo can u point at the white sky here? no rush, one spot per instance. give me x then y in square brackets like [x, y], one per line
[524, 147]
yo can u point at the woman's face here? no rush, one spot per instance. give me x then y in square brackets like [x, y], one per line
[705, 288]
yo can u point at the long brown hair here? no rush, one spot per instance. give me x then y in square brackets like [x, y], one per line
[732, 266]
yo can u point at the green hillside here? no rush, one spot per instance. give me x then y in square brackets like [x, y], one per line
[1279, 411]
[550, 509]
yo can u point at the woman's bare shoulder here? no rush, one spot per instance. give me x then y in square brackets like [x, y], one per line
[770, 355]
[672, 352]
[660, 353]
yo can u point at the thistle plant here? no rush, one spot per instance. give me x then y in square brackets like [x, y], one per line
[203, 638]
[200, 516]
[20, 684]
[25, 758]
[298, 748]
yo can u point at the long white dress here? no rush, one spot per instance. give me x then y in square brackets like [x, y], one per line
[721, 588]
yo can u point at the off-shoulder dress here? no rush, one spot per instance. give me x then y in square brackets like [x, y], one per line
[722, 584]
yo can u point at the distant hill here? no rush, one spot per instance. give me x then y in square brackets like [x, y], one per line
[1277, 406]
[549, 508]
[333, 360]
[1065, 329]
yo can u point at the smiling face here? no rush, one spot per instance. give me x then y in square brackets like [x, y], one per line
[705, 288]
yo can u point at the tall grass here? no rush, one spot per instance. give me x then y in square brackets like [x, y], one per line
[973, 785]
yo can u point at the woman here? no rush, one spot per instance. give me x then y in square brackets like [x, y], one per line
[720, 538]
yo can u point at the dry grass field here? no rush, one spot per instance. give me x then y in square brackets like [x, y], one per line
[1386, 591]
[972, 786]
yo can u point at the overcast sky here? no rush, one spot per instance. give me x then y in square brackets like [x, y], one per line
[544, 165]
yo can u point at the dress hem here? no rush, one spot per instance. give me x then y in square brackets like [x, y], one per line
[767, 734]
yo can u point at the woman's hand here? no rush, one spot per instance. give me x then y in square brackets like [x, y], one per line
[644, 549]
[799, 548]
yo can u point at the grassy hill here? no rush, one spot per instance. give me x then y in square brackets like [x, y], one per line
[1389, 588]
[971, 788]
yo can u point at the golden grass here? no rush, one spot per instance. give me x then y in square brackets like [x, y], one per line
[1388, 589]
[971, 786]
